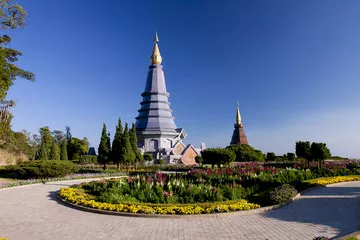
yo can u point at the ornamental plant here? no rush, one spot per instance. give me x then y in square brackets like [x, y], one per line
[40, 169]
[73, 195]
[283, 193]
[162, 189]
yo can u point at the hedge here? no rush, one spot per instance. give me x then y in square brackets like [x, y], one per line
[39, 169]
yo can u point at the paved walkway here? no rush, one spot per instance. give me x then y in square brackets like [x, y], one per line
[32, 213]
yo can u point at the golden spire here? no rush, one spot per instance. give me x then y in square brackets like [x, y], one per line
[238, 117]
[156, 57]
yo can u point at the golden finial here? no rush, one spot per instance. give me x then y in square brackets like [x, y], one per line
[238, 117]
[156, 57]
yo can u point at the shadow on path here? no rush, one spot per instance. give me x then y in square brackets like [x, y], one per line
[336, 207]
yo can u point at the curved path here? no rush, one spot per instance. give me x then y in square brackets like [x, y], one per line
[32, 212]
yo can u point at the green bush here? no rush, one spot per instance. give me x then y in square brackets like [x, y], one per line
[246, 153]
[218, 156]
[290, 156]
[40, 169]
[199, 159]
[270, 156]
[148, 157]
[87, 159]
[283, 193]
[161, 161]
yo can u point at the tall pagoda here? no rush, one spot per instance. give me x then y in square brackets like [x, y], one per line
[156, 130]
[238, 136]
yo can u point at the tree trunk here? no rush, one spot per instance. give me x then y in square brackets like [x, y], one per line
[104, 166]
[118, 166]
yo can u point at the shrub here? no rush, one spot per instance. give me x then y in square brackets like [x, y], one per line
[270, 156]
[88, 159]
[218, 156]
[290, 156]
[40, 169]
[199, 159]
[246, 153]
[283, 193]
[161, 161]
[148, 157]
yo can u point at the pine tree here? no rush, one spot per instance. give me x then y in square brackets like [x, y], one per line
[127, 152]
[43, 151]
[117, 145]
[55, 152]
[133, 141]
[103, 149]
[64, 154]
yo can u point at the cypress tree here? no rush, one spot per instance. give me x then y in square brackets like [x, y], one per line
[109, 146]
[64, 154]
[103, 149]
[55, 152]
[43, 151]
[117, 145]
[127, 152]
[133, 141]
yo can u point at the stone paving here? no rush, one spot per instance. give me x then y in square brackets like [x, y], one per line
[32, 212]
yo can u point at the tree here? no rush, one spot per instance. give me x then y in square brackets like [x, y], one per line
[127, 152]
[68, 133]
[103, 150]
[5, 120]
[109, 145]
[55, 152]
[319, 152]
[77, 147]
[64, 154]
[302, 150]
[47, 139]
[134, 145]
[11, 16]
[58, 136]
[246, 153]
[116, 151]
[270, 156]
[290, 156]
[43, 151]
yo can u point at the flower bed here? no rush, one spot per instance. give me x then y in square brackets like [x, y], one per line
[122, 195]
[331, 180]
[162, 189]
[71, 195]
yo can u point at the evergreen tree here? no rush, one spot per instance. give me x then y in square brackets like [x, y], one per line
[43, 151]
[127, 152]
[103, 149]
[64, 154]
[47, 139]
[55, 152]
[68, 135]
[303, 150]
[117, 145]
[109, 146]
[134, 145]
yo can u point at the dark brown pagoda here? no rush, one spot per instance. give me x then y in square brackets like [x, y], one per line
[238, 136]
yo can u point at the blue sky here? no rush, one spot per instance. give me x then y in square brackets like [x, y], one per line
[294, 67]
